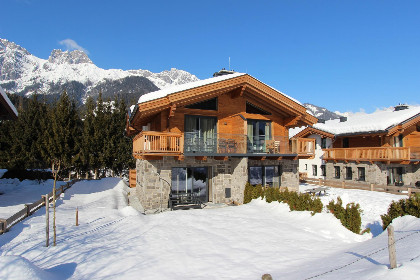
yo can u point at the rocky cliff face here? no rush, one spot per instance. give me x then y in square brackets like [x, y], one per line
[24, 74]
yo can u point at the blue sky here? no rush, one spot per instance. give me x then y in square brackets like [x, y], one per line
[342, 55]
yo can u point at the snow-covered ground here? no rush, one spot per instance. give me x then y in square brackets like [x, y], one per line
[114, 241]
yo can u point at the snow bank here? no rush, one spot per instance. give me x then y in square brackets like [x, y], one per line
[19, 268]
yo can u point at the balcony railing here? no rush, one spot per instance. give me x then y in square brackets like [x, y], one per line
[369, 154]
[158, 143]
[168, 144]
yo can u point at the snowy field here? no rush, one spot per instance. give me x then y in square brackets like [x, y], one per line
[114, 241]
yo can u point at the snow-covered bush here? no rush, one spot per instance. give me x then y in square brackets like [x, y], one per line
[402, 207]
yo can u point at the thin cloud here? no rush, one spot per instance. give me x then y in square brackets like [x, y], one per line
[71, 45]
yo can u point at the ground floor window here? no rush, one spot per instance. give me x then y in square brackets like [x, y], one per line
[323, 171]
[314, 170]
[394, 176]
[265, 175]
[361, 173]
[337, 172]
[349, 173]
[190, 180]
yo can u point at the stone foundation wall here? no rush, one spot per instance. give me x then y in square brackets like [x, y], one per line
[375, 173]
[153, 193]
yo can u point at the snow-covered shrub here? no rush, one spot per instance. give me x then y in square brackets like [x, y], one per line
[350, 216]
[402, 207]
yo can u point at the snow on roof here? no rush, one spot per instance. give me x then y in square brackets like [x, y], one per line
[169, 90]
[3, 94]
[380, 120]
[295, 130]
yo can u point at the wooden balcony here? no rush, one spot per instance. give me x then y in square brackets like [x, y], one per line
[152, 143]
[371, 154]
[304, 147]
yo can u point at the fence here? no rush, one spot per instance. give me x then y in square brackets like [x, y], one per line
[6, 224]
[372, 187]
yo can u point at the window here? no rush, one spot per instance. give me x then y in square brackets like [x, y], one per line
[323, 143]
[346, 142]
[252, 109]
[323, 171]
[398, 141]
[258, 133]
[314, 170]
[200, 134]
[337, 172]
[190, 180]
[349, 173]
[395, 176]
[361, 173]
[265, 175]
[210, 104]
[306, 166]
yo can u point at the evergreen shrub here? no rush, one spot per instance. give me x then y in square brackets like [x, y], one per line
[402, 207]
[296, 201]
[24, 174]
[350, 216]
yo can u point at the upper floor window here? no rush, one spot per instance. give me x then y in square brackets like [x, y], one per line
[253, 109]
[346, 142]
[209, 104]
[323, 143]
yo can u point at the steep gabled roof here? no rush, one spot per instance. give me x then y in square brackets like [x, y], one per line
[155, 102]
[7, 110]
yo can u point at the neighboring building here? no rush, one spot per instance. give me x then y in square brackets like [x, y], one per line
[211, 137]
[7, 110]
[314, 167]
[380, 148]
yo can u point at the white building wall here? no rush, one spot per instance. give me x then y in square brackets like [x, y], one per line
[306, 165]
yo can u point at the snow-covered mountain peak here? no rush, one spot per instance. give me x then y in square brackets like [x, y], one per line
[74, 57]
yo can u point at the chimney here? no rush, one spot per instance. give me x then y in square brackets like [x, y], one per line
[400, 107]
[343, 119]
[223, 72]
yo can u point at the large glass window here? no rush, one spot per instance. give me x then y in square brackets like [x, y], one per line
[258, 133]
[191, 180]
[323, 143]
[323, 171]
[395, 176]
[265, 176]
[200, 134]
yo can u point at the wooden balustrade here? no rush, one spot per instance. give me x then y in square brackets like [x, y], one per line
[368, 154]
[158, 143]
[303, 146]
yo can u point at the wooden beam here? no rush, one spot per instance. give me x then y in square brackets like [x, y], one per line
[172, 110]
[221, 158]
[179, 158]
[201, 158]
[258, 158]
[293, 121]
[147, 157]
[238, 92]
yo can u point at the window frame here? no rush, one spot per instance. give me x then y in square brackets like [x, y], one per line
[337, 175]
[349, 173]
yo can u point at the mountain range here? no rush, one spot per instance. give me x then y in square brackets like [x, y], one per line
[23, 74]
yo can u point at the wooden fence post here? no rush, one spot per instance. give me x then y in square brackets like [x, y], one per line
[319, 182]
[3, 225]
[47, 220]
[27, 209]
[409, 192]
[372, 188]
[391, 247]
[77, 216]
[343, 185]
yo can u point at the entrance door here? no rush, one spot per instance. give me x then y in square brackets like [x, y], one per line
[190, 180]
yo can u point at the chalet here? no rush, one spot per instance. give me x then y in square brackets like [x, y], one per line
[381, 148]
[211, 137]
[7, 110]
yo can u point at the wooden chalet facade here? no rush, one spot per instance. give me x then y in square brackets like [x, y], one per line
[388, 156]
[212, 136]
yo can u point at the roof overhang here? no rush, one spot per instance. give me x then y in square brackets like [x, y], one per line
[237, 84]
[311, 130]
[7, 110]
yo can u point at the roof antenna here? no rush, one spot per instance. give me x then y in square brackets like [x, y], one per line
[229, 63]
